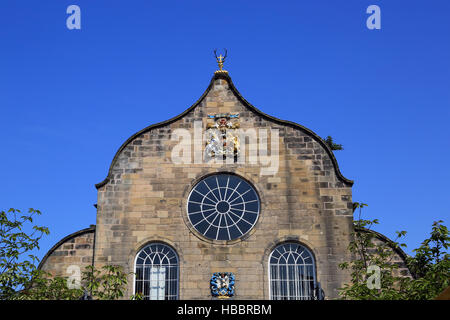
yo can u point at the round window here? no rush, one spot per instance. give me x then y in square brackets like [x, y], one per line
[223, 207]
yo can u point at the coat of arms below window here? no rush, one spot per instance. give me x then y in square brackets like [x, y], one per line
[222, 138]
[222, 285]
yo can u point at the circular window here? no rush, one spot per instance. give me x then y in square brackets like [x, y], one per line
[223, 207]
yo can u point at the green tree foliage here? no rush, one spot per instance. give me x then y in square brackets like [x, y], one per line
[430, 265]
[106, 284]
[46, 287]
[21, 280]
[17, 264]
[367, 252]
[333, 146]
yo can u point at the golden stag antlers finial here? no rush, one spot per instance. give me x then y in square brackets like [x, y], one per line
[220, 60]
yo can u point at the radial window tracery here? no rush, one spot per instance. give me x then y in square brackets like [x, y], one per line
[223, 207]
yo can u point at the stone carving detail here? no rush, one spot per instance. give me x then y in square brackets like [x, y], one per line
[222, 138]
[222, 285]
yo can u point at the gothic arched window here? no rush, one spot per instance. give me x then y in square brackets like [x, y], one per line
[291, 272]
[156, 272]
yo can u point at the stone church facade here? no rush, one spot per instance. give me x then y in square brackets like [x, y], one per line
[168, 214]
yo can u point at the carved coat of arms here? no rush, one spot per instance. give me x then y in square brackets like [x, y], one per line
[222, 285]
[222, 138]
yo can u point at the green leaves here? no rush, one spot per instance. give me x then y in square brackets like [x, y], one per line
[15, 271]
[21, 280]
[431, 265]
[333, 146]
[109, 283]
[46, 287]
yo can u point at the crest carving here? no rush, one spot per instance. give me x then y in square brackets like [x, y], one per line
[222, 285]
[222, 138]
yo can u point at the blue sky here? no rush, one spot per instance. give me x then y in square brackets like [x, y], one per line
[70, 98]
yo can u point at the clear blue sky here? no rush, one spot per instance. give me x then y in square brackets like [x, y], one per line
[70, 98]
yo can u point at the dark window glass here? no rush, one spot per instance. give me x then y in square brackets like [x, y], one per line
[292, 273]
[223, 207]
[157, 272]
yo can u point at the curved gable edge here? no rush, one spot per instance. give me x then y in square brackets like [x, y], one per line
[397, 249]
[62, 241]
[247, 104]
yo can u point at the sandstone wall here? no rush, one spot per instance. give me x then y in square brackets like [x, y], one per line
[144, 199]
[74, 250]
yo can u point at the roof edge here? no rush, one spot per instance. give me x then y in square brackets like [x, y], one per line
[66, 238]
[226, 77]
[390, 242]
[296, 126]
[154, 126]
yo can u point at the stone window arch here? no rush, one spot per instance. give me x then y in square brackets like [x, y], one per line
[157, 272]
[291, 272]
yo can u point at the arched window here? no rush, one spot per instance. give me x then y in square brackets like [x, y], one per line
[291, 273]
[156, 272]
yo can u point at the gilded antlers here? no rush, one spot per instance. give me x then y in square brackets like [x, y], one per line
[220, 60]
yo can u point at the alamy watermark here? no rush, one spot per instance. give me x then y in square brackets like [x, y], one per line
[74, 20]
[259, 147]
[374, 20]
[74, 279]
[374, 280]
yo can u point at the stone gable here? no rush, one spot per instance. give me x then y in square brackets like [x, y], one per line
[143, 199]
